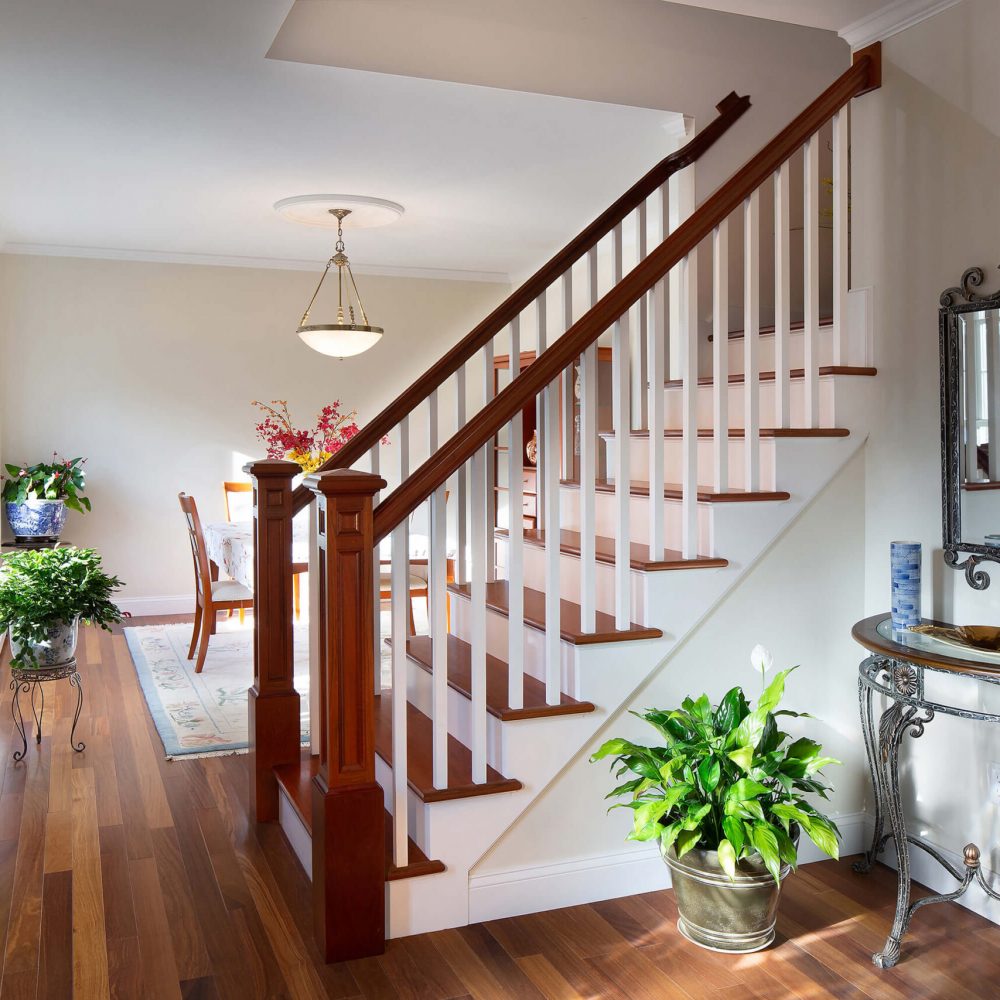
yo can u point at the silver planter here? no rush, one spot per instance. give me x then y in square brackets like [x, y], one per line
[718, 913]
[59, 646]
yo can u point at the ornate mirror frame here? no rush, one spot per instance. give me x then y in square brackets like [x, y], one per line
[954, 302]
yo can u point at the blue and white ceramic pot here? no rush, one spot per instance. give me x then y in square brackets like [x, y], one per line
[59, 646]
[37, 520]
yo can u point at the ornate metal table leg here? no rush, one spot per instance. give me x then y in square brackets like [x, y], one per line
[36, 713]
[74, 680]
[15, 711]
[871, 751]
[896, 721]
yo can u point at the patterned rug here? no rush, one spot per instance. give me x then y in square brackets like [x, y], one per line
[204, 714]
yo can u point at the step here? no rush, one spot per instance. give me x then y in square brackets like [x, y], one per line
[795, 374]
[796, 347]
[569, 616]
[419, 649]
[674, 491]
[419, 740]
[569, 544]
[295, 781]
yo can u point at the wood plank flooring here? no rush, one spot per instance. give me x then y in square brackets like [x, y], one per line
[123, 875]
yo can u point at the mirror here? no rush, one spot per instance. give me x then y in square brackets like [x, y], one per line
[970, 426]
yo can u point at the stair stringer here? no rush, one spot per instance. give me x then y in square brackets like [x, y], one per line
[462, 832]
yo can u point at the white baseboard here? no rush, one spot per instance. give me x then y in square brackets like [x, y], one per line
[140, 607]
[924, 869]
[635, 868]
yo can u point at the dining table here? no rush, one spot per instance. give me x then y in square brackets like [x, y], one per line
[229, 547]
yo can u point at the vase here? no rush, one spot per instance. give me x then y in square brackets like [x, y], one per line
[722, 914]
[58, 647]
[904, 560]
[37, 520]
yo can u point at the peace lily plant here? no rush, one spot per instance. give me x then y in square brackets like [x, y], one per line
[730, 785]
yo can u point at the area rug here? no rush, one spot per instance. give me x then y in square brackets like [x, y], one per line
[205, 714]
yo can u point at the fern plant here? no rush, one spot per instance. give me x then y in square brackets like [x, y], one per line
[45, 588]
[725, 779]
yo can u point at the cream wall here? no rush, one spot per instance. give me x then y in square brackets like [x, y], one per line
[925, 206]
[149, 369]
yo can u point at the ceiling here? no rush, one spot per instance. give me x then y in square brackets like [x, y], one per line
[833, 15]
[138, 127]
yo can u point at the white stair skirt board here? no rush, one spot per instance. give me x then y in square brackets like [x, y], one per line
[172, 604]
[636, 868]
[924, 869]
[295, 831]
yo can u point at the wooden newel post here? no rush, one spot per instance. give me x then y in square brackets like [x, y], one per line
[348, 836]
[275, 726]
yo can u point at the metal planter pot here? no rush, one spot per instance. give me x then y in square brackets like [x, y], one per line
[58, 648]
[37, 520]
[719, 914]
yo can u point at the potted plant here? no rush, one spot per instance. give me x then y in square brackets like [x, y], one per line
[38, 496]
[44, 594]
[725, 797]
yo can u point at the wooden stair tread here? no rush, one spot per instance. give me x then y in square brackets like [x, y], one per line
[569, 616]
[419, 648]
[675, 433]
[296, 780]
[674, 491]
[569, 543]
[767, 331]
[795, 373]
[420, 772]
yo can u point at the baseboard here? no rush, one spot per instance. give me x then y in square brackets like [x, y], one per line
[140, 607]
[635, 868]
[924, 869]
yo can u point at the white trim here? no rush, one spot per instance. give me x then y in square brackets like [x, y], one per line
[924, 869]
[634, 869]
[298, 837]
[267, 263]
[891, 20]
[172, 604]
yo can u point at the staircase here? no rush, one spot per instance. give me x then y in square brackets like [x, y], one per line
[655, 494]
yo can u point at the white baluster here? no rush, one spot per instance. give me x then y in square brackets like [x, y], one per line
[993, 392]
[541, 342]
[515, 545]
[553, 588]
[840, 229]
[438, 607]
[810, 298]
[656, 351]
[478, 616]
[567, 396]
[400, 628]
[377, 570]
[689, 403]
[491, 517]
[621, 364]
[751, 342]
[588, 468]
[720, 355]
[782, 299]
[462, 555]
[640, 363]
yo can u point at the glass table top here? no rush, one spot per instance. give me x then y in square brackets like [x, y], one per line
[936, 647]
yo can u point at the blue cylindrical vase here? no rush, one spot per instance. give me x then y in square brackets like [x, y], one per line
[904, 560]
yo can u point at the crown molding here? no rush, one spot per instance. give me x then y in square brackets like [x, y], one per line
[891, 20]
[266, 263]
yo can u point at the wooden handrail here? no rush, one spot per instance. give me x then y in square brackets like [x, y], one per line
[730, 109]
[864, 75]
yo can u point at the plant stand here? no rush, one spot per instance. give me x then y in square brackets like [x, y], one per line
[25, 679]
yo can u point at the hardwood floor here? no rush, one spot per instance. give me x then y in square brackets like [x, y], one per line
[124, 875]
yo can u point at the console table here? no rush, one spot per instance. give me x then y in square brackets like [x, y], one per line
[897, 668]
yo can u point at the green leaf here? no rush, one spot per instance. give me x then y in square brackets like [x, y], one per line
[727, 858]
[803, 749]
[747, 788]
[686, 839]
[733, 829]
[669, 833]
[748, 732]
[730, 712]
[786, 849]
[819, 763]
[764, 839]
[774, 692]
[821, 834]
[709, 772]
[695, 814]
[742, 757]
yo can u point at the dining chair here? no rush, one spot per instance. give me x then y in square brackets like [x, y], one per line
[211, 596]
[231, 486]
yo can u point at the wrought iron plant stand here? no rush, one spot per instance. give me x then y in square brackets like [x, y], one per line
[32, 679]
[910, 710]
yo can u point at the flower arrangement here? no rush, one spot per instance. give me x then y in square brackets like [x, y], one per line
[60, 479]
[309, 447]
[727, 779]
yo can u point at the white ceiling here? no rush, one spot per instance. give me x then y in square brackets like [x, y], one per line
[833, 15]
[161, 128]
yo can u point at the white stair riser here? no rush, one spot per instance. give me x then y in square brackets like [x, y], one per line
[796, 351]
[672, 460]
[605, 518]
[673, 404]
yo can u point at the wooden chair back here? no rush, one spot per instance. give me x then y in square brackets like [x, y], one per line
[229, 486]
[202, 573]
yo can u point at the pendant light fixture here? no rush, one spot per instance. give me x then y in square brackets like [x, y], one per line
[346, 337]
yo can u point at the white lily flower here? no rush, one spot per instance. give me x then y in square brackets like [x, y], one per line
[761, 659]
